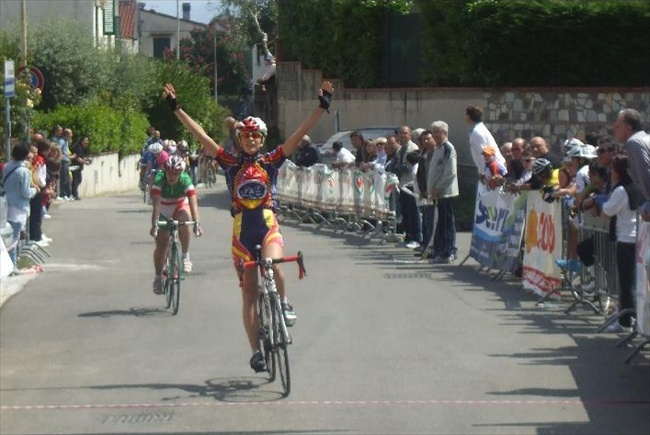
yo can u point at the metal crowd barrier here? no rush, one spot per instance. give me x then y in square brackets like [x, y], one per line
[347, 199]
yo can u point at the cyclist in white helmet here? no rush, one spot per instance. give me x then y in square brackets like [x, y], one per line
[174, 197]
[252, 180]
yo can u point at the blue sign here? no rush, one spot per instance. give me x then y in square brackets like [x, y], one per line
[10, 88]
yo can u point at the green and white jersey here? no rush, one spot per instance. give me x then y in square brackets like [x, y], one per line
[172, 194]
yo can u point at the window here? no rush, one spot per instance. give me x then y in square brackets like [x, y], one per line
[160, 44]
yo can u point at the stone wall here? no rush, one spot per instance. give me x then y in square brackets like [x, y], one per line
[555, 114]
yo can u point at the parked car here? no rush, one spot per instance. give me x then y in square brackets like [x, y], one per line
[327, 154]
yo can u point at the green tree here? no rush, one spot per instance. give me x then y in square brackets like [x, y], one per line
[73, 69]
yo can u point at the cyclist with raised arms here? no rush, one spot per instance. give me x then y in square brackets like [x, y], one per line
[253, 176]
[174, 197]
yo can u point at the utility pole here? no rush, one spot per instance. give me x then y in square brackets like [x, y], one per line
[178, 31]
[23, 33]
[214, 52]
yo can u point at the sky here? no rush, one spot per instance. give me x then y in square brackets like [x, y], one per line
[201, 10]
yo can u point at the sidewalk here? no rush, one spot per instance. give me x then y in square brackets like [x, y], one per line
[11, 285]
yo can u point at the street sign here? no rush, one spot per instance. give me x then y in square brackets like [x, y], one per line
[35, 76]
[10, 79]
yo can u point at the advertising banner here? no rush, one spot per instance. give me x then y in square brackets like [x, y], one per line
[499, 221]
[643, 278]
[542, 245]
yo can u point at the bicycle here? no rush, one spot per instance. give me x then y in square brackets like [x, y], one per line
[274, 335]
[145, 184]
[208, 175]
[173, 271]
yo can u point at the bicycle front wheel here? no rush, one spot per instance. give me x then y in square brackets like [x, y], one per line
[266, 332]
[175, 276]
[280, 344]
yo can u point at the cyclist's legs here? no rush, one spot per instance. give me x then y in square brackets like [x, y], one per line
[274, 249]
[184, 231]
[160, 251]
[249, 303]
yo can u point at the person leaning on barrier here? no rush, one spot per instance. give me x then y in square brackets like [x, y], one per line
[542, 176]
[344, 158]
[307, 154]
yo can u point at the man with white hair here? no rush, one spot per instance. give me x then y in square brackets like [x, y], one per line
[628, 130]
[307, 154]
[442, 186]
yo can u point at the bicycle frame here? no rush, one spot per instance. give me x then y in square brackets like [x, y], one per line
[172, 286]
[274, 334]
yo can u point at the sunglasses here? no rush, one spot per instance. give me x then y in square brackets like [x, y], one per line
[249, 134]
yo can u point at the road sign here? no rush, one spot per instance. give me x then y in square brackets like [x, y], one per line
[35, 76]
[10, 79]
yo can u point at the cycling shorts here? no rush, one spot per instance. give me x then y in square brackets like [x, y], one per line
[170, 208]
[251, 228]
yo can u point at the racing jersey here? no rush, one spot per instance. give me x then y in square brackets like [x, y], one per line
[172, 194]
[252, 179]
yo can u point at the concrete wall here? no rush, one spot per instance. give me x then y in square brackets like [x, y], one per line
[555, 114]
[107, 174]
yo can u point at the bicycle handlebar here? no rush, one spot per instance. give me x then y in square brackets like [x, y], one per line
[175, 222]
[262, 262]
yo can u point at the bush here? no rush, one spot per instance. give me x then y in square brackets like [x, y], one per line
[108, 129]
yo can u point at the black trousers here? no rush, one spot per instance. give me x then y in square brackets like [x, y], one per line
[76, 181]
[626, 263]
[35, 218]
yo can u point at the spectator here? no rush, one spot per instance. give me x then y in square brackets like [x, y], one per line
[580, 157]
[427, 207]
[540, 150]
[411, 219]
[515, 165]
[80, 159]
[506, 152]
[39, 178]
[391, 148]
[359, 144]
[307, 153]
[344, 158]
[64, 180]
[493, 172]
[621, 208]
[373, 147]
[19, 189]
[480, 137]
[442, 183]
[628, 130]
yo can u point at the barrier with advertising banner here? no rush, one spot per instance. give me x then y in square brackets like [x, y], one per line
[542, 245]
[643, 278]
[499, 221]
[353, 193]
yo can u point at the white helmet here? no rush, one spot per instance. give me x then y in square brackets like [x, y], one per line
[155, 148]
[252, 124]
[584, 152]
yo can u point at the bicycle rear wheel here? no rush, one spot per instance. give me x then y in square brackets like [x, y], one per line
[280, 345]
[175, 276]
[264, 314]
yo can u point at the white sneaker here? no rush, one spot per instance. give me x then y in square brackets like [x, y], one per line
[59, 198]
[187, 265]
[42, 244]
[45, 238]
[47, 216]
[413, 245]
